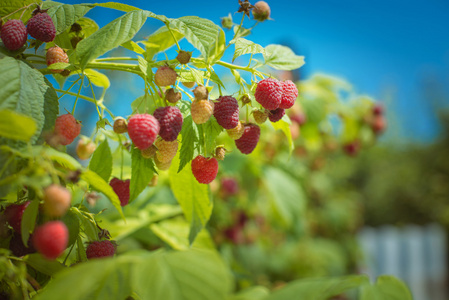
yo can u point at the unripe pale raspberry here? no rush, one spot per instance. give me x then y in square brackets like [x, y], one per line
[51, 239]
[143, 130]
[56, 55]
[184, 57]
[220, 153]
[100, 249]
[165, 76]
[204, 169]
[166, 151]
[14, 34]
[67, 129]
[276, 115]
[189, 84]
[163, 166]
[41, 27]
[261, 11]
[289, 94]
[226, 111]
[237, 132]
[248, 142]
[57, 200]
[260, 116]
[121, 188]
[172, 95]
[85, 148]
[120, 125]
[201, 93]
[201, 111]
[269, 93]
[170, 122]
[149, 152]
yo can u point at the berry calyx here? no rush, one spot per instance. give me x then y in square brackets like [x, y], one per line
[201, 111]
[143, 130]
[51, 239]
[170, 122]
[248, 142]
[204, 169]
[67, 128]
[120, 125]
[57, 200]
[56, 55]
[14, 34]
[121, 188]
[269, 93]
[165, 76]
[261, 11]
[41, 27]
[99, 249]
[276, 115]
[226, 111]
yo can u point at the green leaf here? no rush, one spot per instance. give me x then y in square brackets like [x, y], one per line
[218, 49]
[130, 45]
[99, 184]
[16, 126]
[117, 6]
[252, 293]
[97, 78]
[144, 104]
[29, 220]
[192, 196]
[203, 34]
[88, 223]
[110, 36]
[319, 288]
[101, 161]
[51, 107]
[386, 287]
[61, 158]
[282, 58]
[190, 136]
[64, 15]
[243, 46]
[9, 6]
[285, 128]
[72, 222]
[45, 266]
[287, 198]
[208, 133]
[142, 170]
[160, 41]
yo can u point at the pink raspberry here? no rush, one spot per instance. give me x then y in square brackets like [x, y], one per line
[204, 169]
[269, 93]
[14, 34]
[289, 94]
[276, 115]
[121, 188]
[226, 111]
[143, 130]
[170, 121]
[67, 128]
[229, 186]
[41, 27]
[56, 55]
[249, 139]
[51, 239]
[100, 249]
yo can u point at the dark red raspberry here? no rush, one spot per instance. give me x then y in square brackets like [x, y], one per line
[121, 188]
[229, 186]
[226, 111]
[100, 249]
[51, 239]
[13, 214]
[41, 27]
[18, 248]
[249, 139]
[276, 115]
[67, 128]
[269, 93]
[170, 121]
[204, 169]
[352, 148]
[289, 94]
[378, 109]
[14, 34]
[143, 130]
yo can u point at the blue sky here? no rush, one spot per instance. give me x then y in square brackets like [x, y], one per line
[385, 48]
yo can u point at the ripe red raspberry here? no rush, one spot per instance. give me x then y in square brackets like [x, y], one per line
[166, 151]
[56, 55]
[260, 116]
[14, 34]
[226, 111]
[204, 169]
[120, 125]
[41, 27]
[276, 115]
[165, 76]
[143, 130]
[13, 214]
[51, 239]
[172, 95]
[100, 249]
[121, 188]
[249, 139]
[261, 11]
[67, 128]
[57, 200]
[170, 122]
[237, 132]
[229, 186]
[269, 93]
[201, 93]
[289, 94]
[201, 111]
[184, 57]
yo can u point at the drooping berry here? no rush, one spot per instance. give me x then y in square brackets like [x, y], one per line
[14, 34]
[289, 94]
[13, 214]
[41, 27]
[100, 249]
[57, 200]
[204, 169]
[269, 93]
[237, 132]
[143, 130]
[226, 111]
[172, 95]
[165, 76]
[260, 116]
[201, 111]
[249, 139]
[261, 11]
[184, 57]
[166, 151]
[276, 115]
[201, 93]
[85, 148]
[170, 122]
[51, 239]
[56, 55]
[67, 128]
[121, 188]
[120, 125]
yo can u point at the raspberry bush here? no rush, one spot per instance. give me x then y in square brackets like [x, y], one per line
[141, 191]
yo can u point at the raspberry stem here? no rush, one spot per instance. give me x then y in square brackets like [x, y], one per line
[173, 35]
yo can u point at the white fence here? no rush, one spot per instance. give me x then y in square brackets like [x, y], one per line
[415, 254]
